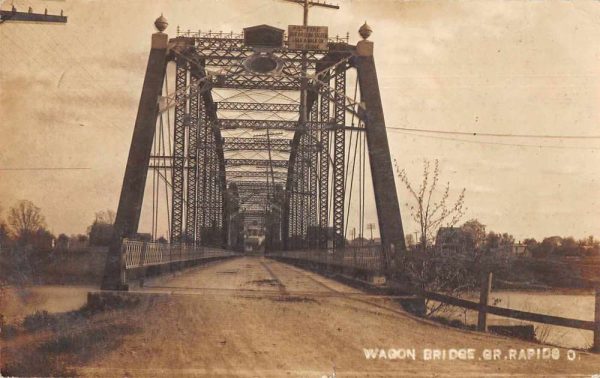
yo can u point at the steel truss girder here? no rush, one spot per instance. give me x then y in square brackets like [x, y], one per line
[225, 52]
[337, 61]
[324, 165]
[258, 107]
[263, 124]
[232, 175]
[252, 184]
[256, 144]
[165, 162]
[177, 178]
[231, 124]
[257, 162]
[339, 153]
[192, 164]
[313, 206]
[254, 81]
[213, 207]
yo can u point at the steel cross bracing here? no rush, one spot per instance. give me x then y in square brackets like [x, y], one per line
[255, 107]
[253, 144]
[192, 181]
[232, 175]
[263, 124]
[157, 161]
[257, 162]
[324, 165]
[224, 166]
[313, 157]
[177, 180]
[339, 153]
[307, 184]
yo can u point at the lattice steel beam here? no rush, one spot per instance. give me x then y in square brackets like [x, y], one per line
[254, 144]
[324, 166]
[258, 107]
[229, 124]
[192, 171]
[252, 81]
[263, 124]
[252, 185]
[314, 175]
[177, 180]
[257, 162]
[232, 175]
[339, 153]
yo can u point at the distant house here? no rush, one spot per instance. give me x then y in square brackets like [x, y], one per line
[450, 240]
[520, 250]
[77, 243]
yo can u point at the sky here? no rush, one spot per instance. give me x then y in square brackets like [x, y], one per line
[69, 94]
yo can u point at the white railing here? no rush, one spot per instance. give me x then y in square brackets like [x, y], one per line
[141, 254]
[369, 258]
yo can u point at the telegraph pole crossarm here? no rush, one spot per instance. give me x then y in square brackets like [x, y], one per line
[29, 16]
[315, 3]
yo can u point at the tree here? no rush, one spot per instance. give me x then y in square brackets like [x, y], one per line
[106, 217]
[425, 267]
[430, 214]
[101, 230]
[62, 242]
[475, 233]
[499, 243]
[25, 220]
[4, 231]
[410, 241]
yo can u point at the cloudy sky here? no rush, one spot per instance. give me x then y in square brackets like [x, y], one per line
[68, 97]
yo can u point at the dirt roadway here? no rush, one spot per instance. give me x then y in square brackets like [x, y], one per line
[255, 317]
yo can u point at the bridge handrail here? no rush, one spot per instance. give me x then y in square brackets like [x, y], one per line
[139, 254]
[368, 257]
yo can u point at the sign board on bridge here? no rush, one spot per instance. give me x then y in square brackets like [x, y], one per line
[307, 37]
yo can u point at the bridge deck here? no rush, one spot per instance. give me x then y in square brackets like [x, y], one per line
[252, 316]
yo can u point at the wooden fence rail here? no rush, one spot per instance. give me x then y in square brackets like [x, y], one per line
[483, 308]
[373, 263]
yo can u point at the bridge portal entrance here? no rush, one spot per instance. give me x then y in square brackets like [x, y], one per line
[270, 132]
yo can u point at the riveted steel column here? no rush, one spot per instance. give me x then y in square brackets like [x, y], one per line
[192, 155]
[178, 177]
[382, 173]
[339, 154]
[134, 181]
[324, 165]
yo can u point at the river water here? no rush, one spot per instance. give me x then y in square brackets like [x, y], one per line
[569, 304]
[17, 302]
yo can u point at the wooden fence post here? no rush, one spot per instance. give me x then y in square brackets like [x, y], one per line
[596, 346]
[484, 296]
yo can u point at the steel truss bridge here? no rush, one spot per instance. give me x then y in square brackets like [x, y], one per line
[235, 130]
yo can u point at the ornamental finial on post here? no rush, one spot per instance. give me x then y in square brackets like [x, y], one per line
[160, 40]
[161, 23]
[365, 31]
[364, 47]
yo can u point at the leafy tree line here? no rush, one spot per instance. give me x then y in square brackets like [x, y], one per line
[450, 258]
[23, 227]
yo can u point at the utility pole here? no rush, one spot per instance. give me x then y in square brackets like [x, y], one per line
[29, 16]
[370, 227]
[307, 4]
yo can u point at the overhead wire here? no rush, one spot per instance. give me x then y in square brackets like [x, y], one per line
[459, 140]
[488, 134]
